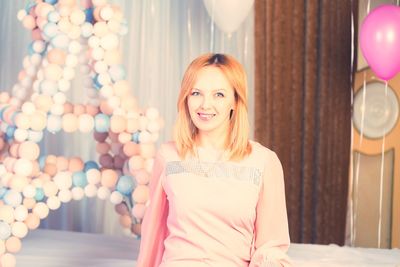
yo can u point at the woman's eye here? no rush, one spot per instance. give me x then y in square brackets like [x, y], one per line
[195, 93]
[220, 94]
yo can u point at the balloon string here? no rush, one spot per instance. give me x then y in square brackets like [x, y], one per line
[382, 170]
[357, 174]
[212, 27]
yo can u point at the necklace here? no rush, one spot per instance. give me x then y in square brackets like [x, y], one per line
[207, 168]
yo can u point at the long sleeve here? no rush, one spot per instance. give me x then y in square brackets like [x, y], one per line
[154, 224]
[271, 227]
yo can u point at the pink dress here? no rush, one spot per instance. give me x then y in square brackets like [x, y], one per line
[215, 213]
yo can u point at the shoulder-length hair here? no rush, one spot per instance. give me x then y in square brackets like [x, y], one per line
[237, 141]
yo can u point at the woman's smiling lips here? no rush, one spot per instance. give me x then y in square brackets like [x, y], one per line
[205, 116]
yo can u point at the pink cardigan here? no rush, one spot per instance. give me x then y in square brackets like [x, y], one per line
[225, 214]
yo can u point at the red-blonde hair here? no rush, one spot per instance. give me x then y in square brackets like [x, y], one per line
[237, 141]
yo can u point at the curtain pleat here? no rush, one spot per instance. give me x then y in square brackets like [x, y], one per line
[303, 108]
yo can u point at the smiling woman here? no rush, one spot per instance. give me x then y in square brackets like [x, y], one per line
[216, 197]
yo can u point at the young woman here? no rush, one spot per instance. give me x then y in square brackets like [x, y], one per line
[216, 198]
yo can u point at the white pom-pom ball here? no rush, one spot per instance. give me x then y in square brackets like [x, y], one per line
[19, 229]
[106, 13]
[21, 14]
[63, 180]
[109, 42]
[86, 123]
[90, 190]
[94, 41]
[21, 135]
[103, 193]
[93, 176]
[77, 17]
[71, 60]
[28, 108]
[60, 98]
[64, 85]
[53, 202]
[20, 213]
[74, 47]
[41, 210]
[65, 195]
[86, 29]
[77, 193]
[29, 191]
[116, 197]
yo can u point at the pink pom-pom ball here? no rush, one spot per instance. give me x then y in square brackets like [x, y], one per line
[29, 22]
[138, 210]
[56, 56]
[109, 178]
[103, 148]
[131, 149]
[75, 164]
[147, 150]
[118, 162]
[70, 123]
[141, 194]
[122, 209]
[106, 161]
[142, 177]
[13, 244]
[135, 163]
[32, 221]
[29, 150]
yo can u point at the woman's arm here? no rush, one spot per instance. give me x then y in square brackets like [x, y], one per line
[271, 226]
[154, 224]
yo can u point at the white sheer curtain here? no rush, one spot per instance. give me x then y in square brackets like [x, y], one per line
[164, 37]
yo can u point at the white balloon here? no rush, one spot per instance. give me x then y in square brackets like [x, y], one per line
[228, 14]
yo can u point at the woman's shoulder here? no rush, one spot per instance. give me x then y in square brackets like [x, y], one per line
[259, 149]
[168, 149]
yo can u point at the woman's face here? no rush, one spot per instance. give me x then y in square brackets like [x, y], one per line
[210, 101]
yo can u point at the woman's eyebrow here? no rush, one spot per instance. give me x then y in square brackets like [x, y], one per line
[215, 90]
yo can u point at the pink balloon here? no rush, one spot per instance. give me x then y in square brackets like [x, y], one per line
[380, 40]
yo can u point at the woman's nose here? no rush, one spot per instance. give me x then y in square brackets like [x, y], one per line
[207, 102]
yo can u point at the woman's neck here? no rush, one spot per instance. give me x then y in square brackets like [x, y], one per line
[211, 141]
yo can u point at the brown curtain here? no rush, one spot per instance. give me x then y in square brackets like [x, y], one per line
[303, 108]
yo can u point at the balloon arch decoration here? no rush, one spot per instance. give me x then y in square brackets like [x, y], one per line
[65, 35]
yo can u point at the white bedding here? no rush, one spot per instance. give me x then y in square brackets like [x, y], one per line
[48, 248]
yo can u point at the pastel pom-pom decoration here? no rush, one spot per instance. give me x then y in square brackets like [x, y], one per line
[125, 185]
[66, 39]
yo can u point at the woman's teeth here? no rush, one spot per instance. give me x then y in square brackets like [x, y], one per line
[206, 116]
